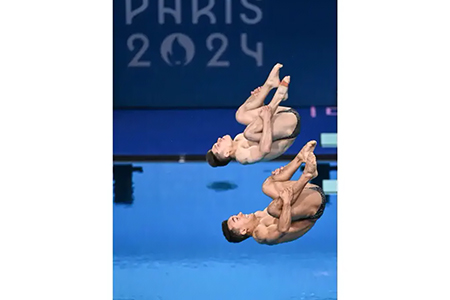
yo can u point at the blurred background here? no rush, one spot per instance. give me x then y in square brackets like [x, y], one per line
[181, 70]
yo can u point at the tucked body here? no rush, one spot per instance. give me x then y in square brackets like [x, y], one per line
[296, 205]
[270, 129]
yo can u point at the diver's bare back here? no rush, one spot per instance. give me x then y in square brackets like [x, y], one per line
[277, 148]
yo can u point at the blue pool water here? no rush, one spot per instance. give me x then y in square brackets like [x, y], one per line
[168, 243]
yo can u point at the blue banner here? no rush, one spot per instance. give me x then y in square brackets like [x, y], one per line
[212, 53]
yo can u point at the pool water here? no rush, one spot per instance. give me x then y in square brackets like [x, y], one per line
[168, 243]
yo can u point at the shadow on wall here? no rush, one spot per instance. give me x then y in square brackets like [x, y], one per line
[222, 186]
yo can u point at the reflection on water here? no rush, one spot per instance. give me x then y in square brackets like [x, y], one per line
[123, 183]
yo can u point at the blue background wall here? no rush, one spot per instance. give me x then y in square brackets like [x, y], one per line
[154, 68]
